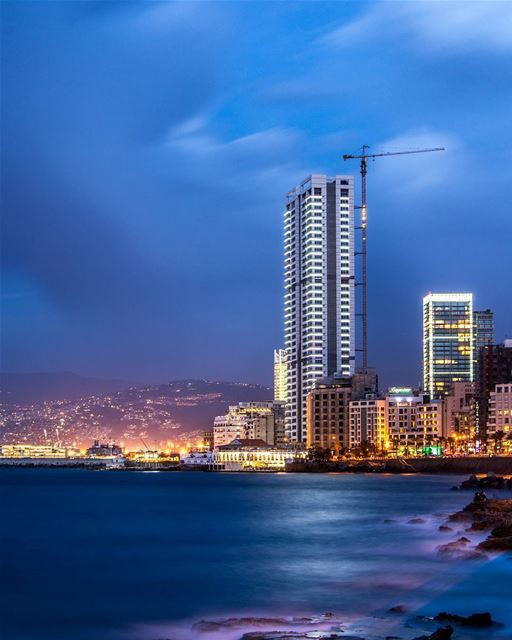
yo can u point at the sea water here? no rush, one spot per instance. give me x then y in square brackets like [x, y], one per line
[137, 555]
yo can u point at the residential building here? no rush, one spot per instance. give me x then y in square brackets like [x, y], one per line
[483, 331]
[319, 290]
[448, 341]
[252, 454]
[327, 411]
[280, 375]
[251, 420]
[495, 369]
[414, 423]
[458, 411]
[499, 418]
[328, 408]
[368, 424]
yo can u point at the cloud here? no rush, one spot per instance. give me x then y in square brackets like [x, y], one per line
[424, 171]
[443, 27]
[259, 155]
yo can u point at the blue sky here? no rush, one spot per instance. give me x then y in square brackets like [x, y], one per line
[147, 148]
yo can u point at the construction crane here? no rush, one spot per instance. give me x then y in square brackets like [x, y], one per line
[363, 156]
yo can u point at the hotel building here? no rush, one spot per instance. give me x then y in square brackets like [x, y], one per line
[319, 290]
[448, 341]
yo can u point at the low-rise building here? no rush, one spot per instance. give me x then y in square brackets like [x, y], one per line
[198, 459]
[252, 455]
[104, 450]
[38, 451]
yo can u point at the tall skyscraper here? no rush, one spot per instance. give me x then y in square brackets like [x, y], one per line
[280, 375]
[483, 322]
[448, 341]
[319, 289]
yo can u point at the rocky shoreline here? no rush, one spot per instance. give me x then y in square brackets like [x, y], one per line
[482, 514]
[329, 626]
[489, 514]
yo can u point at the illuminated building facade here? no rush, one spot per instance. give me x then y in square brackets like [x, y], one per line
[458, 411]
[368, 424]
[37, 451]
[280, 375]
[328, 408]
[327, 411]
[251, 454]
[251, 420]
[319, 289]
[413, 422]
[499, 416]
[448, 341]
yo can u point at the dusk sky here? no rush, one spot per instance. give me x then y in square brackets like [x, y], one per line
[147, 148]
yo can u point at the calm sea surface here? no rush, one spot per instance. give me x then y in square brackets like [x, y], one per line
[144, 555]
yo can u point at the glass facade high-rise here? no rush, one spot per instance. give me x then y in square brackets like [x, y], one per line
[483, 322]
[448, 341]
[319, 289]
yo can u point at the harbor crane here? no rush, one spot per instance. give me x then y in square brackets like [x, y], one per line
[364, 156]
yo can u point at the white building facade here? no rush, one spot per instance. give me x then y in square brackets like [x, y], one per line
[250, 420]
[500, 410]
[319, 290]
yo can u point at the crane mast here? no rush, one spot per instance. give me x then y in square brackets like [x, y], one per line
[363, 157]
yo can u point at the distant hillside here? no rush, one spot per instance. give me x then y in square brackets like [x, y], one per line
[156, 413]
[28, 388]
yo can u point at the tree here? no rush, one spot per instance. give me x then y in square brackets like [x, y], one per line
[319, 454]
[498, 441]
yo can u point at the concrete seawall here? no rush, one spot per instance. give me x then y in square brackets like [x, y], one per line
[484, 464]
[462, 466]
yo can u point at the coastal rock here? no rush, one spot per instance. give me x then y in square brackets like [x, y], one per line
[444, 527]
[485, 513]
[476, 620]
[398, 466]
[490, 481]
[297, 635]
[454, 547]
[399, 608]
[443, 633]
[416, 521]
[250, 621]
